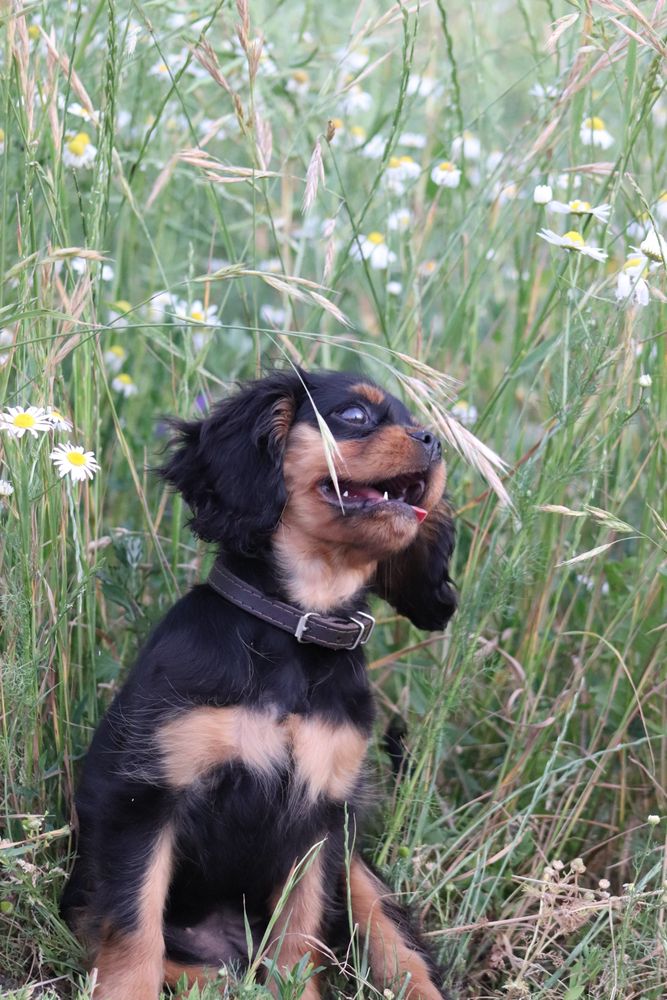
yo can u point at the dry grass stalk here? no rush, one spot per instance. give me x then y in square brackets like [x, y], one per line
[314, 175]
[206, 57]
[74, 78]
[263, 141]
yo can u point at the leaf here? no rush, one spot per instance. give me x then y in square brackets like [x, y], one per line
[588, 555]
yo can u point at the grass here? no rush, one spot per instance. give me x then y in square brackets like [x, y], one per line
[536, 726]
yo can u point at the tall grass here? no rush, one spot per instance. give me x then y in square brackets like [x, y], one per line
[536, 727]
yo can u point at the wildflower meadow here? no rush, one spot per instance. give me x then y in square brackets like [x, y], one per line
[467, 201]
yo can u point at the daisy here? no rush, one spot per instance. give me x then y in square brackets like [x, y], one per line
[564, 180]
[464, 412]
[119, 312]
[353, 59]
[6, 488]
[115, 357]
[631, 286]
[273, 315]
[542, 194]
[645, 381]
[196, 312]
[298, 83]
[423, 86]
[355, 136]
[494, 159]
[661, 207]
[470, 145]
[125, 385]
[6, 340]
[73, 460]
[79, 151]
[16, 420]
[355, 99]
[161, 306]
[548, 93]
[57, 421]
[169, 67]
[79, 111]
[373, 249]
[445, 174]
[413, 140]
[400, 220]
[576, 207]
[594, 133]
[374, 148]
[400, 171]
[394, 288]
[272, 265]
[572, 241]
[2, 141]
[427, 268]
[654, 246]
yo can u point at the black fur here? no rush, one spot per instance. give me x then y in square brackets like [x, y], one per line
[237, 836]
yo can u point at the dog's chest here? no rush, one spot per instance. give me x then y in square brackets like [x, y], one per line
[321, 758]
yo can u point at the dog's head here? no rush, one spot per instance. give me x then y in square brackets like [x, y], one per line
[257, 475]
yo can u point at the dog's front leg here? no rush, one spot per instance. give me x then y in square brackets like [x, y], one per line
[393, 950]
[299, 924]
[130, 958]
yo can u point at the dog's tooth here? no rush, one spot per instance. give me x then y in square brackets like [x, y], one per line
[346, 493]
[386, 495]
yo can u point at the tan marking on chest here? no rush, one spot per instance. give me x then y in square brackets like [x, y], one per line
[327, 758]
[206, 737]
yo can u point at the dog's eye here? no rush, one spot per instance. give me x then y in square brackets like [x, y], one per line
[354, 415]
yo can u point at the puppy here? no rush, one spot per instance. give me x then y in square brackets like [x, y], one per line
[237, 742]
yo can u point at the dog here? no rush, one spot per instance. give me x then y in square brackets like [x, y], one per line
[236, 745]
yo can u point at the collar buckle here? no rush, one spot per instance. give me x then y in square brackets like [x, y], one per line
[302, 626]
[365, 628]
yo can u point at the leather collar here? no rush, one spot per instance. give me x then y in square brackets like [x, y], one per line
[323, 630]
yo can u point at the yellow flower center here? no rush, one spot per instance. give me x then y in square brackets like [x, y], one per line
[394, 162]
[405, 159]
[24, 420]
[33, 32]
[375, 238]
[76, 458]
[580, 206]
[428, 267]
[197, 315]
[662, 198]
[596, 124]
[632, 262]
[300, 76]
[446, 165]
[338, 124]
[2, 135]
[357, 131]
[574, 237]
[117, 350]
[162, 68]
[78, 144]
[125, 379]
[122, 305]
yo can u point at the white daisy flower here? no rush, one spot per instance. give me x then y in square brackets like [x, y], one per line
[132, 36]
[594, 133]
[639, 228]
[548, 93]
[79, 152]
[272, 265]
[374, 148]
[401, 170]
[654, 246]
[298, 83]
[494, 159]
[196, 312]
[6, 488]
[119, 312]
[464, 412]
[631, 285]
[125, 385]
[6, 340]
[169, 67]
[355, 135]
[565, 180]
[17, 421]
[115, 357]
[572, 241]
[470, 145]
[661, 207]
[2, 141]
[576, 207]
[505, 193]
[400, 220]
[445, 174]
[57, 421]
[201, 338]
[413, 140]
[161, 306]
[645, 381]
[354, 100]
[353, 60]
[659, 113]
[72, 460]
[373, 249]
[394, 288]
[542, 194]
[423, 86]
[79, 111]
[273, 315]
[427, 268]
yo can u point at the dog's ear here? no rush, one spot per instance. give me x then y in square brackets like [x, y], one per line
[228, 467]
[416, 581]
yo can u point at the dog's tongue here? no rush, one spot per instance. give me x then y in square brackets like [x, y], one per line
[420, 512]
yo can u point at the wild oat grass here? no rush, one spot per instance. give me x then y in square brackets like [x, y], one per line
[193, 192]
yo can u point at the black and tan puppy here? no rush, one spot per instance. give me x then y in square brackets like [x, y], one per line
[235, 746]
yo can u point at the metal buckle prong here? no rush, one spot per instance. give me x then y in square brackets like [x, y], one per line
[365, 629]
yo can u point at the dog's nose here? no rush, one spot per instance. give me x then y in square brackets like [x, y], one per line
[430, 442]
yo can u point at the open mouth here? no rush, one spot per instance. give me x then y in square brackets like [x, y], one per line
[407, 490]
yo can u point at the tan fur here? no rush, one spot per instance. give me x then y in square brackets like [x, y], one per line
[131, 965]
[369, 392]
[300, 919]
[318, 577]
[199, 974]
[327, 758]
[205, 737]
[391, 957]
